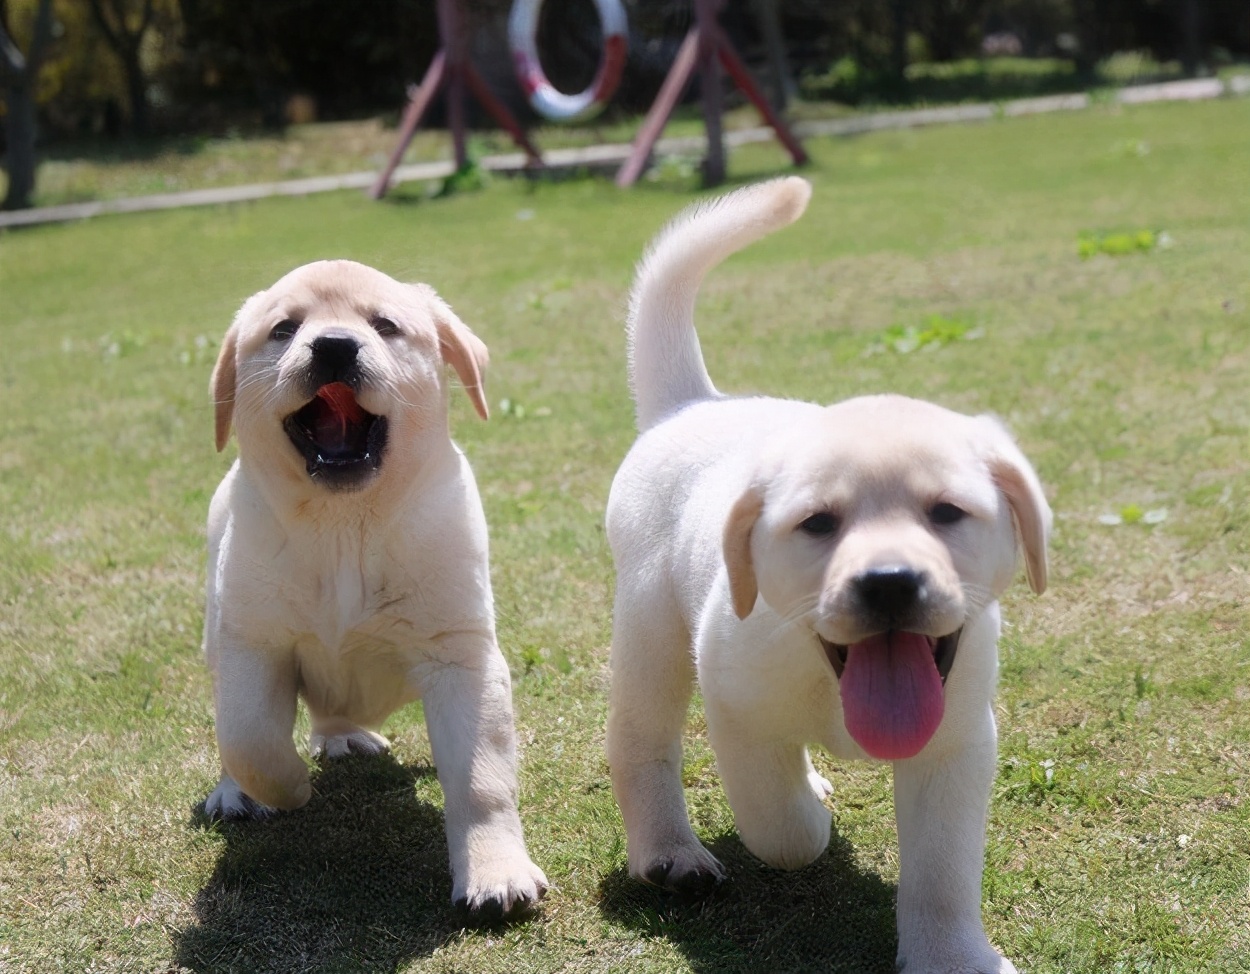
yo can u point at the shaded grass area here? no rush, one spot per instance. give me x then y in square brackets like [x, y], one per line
[982, 79]
[1120, 832]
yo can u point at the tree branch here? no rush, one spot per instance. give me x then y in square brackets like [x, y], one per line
[42, 36]
[110, 35]
[13, 63]
[11, 58]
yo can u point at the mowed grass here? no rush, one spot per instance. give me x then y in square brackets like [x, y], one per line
[1119, 835]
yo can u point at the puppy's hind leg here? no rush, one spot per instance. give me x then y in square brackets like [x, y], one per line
[337, 737]
[652, 679]
[773, 791]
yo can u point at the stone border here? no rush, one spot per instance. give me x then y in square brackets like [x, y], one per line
[1198, 89]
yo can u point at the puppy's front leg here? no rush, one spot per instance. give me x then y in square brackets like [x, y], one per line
[772, 789]
[652, 680]
[254, 692]
[468, 710]
[941, 804]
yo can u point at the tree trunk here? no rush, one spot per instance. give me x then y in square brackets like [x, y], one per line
[1191, 23]
[19, 74]
[126, 44]
[898, 40]
[19, 133]
[137, 92]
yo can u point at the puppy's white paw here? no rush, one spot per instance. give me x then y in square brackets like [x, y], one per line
[228, 803]
[820, 784]
[499, 885]
[983, 961]
[344, 741]
[688, 870]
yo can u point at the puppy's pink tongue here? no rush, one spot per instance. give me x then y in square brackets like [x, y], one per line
[340, 409]
[339, 397]
[892, 697]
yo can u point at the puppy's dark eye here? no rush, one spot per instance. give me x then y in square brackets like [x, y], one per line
[943, 514]
[284, 330]
[384, 326]
[819, 525]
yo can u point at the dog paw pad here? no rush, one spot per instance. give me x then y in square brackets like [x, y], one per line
[359, 742]
[690, 879]
[512, 900]
[228, 803]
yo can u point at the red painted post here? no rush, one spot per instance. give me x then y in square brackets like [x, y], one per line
[709, 87]
[707, 47]
[481, 91]
[452, 69]
[661, 109]
[419, 98]
[742, 78]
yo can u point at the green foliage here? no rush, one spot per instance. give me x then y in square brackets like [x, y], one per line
[469, 178]
[977, 79]
[1118, 244]
[936, 331]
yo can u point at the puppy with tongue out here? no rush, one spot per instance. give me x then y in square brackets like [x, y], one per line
[348, 564]
[825, 575]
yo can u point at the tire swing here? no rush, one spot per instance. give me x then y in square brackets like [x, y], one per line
[546, 99]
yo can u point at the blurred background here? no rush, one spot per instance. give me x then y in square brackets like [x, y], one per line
[109, 80]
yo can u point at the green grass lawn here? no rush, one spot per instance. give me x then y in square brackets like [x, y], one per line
[1119, 835]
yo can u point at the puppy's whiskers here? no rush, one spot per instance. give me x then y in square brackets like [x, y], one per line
[389, 386]
[797, 612]
[976, 598]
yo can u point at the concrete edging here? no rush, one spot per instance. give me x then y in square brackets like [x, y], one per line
[1196, 89]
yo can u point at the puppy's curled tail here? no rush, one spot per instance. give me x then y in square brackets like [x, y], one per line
[666, 367]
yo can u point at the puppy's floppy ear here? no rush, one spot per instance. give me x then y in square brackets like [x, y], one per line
[736, 544]
[1016, 479]
[222, 384]
[462, 350]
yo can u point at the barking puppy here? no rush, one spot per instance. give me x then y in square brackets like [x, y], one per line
[347, 561]
[830, 576]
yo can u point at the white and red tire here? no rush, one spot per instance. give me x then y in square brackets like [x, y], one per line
[546, 99]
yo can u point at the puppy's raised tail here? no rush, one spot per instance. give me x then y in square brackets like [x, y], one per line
[666, 367]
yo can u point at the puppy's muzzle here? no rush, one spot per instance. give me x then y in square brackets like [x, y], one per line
[341, 442]
[893, 598]
[890, 594]
[335, 358]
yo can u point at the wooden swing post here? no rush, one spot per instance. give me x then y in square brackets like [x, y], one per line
[708, 48]
[452, 69]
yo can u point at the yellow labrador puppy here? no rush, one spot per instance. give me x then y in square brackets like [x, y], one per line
[829, 574]
[347, 561]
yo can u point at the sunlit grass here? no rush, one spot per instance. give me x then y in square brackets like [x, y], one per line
[1120, 832]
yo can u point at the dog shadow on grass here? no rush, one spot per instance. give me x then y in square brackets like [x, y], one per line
[357, 879]
[831, 916]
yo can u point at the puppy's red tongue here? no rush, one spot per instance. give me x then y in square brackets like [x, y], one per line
[892, 698]
[341, 409]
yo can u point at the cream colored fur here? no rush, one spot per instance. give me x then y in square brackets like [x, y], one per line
[717, 583]
[360, 601]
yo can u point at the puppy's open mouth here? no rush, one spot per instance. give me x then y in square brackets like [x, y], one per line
[943, 650]
[892, 686]
[342, 443]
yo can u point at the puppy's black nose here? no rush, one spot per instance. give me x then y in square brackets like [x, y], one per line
[334, 355]
[890, 591]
